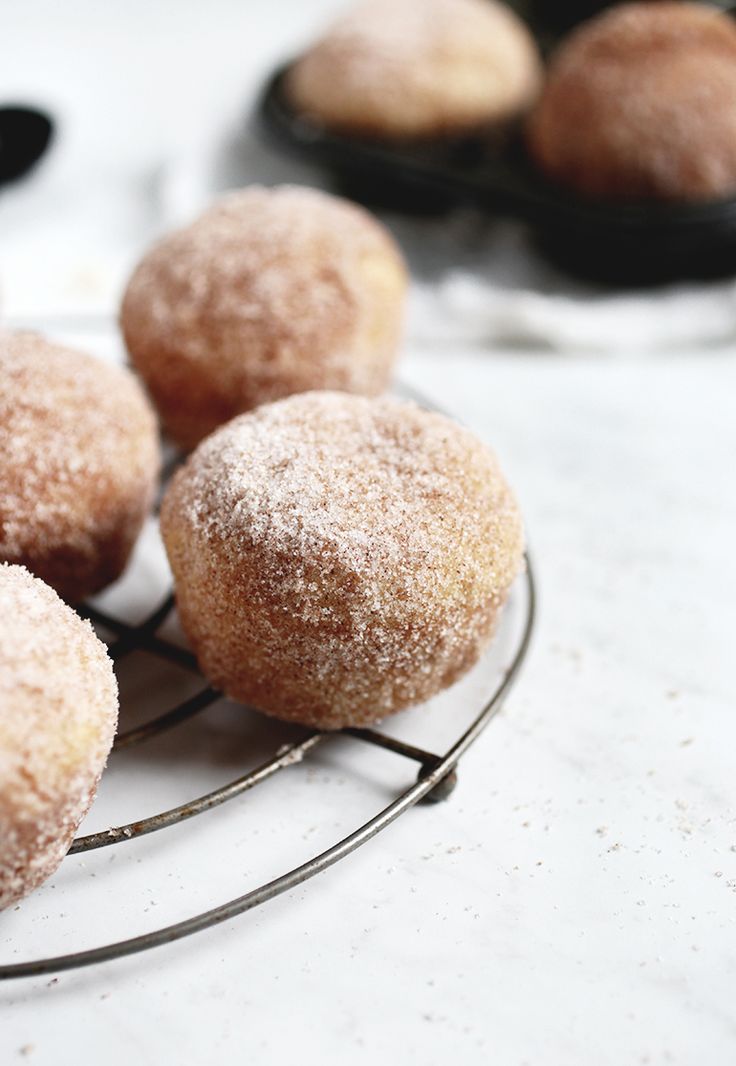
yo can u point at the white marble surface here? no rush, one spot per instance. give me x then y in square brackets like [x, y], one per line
[575, 901]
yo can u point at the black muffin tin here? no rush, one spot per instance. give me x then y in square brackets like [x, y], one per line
[560, 15]
[632, 243]
[557, 17]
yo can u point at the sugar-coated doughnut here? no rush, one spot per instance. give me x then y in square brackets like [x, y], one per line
[80, 460]
[58, 713]
[640, 103]
[418, 68]
[337, 558]
[270, 292]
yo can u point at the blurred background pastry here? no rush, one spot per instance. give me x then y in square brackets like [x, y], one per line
[418, 68]
[640, 103]
[270, 292]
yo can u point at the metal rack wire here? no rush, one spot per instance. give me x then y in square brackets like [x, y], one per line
[436, 777]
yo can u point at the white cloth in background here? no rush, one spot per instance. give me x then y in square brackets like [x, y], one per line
[472, 310]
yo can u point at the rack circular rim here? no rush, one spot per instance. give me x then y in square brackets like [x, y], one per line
[431, 778]
[435, 780]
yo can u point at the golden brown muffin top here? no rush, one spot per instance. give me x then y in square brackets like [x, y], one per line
[405, 501]
[71, 426]
[418, 68]
[58, 696]
[283, 263]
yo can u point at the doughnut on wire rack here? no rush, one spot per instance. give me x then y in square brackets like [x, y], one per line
[435, 779]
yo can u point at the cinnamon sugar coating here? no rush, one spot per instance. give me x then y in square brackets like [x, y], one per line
[58, 714]
[640, 103]
[270, 292]
[337, 558]
[418, 68]
[80, 461]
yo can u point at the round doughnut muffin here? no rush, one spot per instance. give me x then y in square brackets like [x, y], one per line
[80, 462]
[640, 103]
[337, 558]
[270, 292]
[418, 69]
[58, 713]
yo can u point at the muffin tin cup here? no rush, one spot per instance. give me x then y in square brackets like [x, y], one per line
[618, 243]
[561, 17]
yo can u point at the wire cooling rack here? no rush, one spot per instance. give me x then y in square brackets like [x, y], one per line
[435, 780]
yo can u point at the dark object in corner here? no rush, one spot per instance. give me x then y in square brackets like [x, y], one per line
[25, 134]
